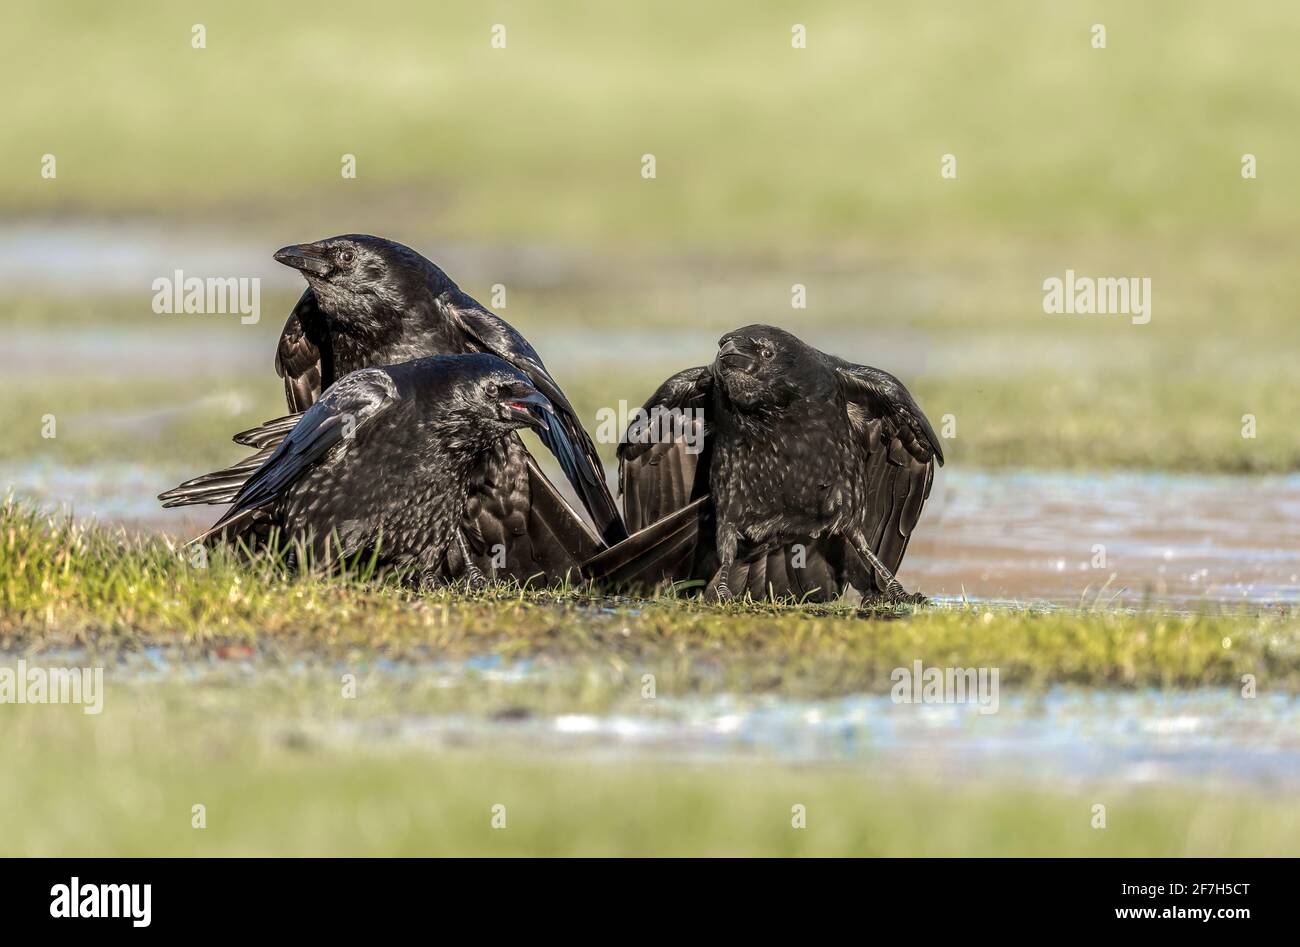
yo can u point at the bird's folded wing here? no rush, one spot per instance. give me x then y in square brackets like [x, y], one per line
[517, 525]
[218, 487]
[901, 451]
[302, 360]
[566, 439]
[302, 357]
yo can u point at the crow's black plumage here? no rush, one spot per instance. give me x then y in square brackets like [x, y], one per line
[810, 478]
[372, 302]
[379, 466]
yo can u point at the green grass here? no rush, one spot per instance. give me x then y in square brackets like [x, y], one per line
[63, 584]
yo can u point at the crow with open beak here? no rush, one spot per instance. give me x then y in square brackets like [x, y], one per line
[810, 477]
[380, 466]
[373, 302]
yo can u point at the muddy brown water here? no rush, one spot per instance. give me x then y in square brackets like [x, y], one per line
[1124, 538]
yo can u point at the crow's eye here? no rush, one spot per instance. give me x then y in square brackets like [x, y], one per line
[491, 389]
[347, 256]
[767, 353]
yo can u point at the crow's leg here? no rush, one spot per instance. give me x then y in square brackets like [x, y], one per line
[728, 541]
[894, 590]
[473, 573]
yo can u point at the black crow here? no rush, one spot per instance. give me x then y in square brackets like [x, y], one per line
[380, 465]
[777, 471]
[372, 302]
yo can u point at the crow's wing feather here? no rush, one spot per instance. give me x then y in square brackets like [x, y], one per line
[304, 356]
[268, 433]
[815, 575]
[517, 525]
[566, 439]
[879, 394]
[900, 453]
[658, 472]
[344, 410]
[664, 550]
[553, 520]
[221, 486]
[665, 485]
[218, 487]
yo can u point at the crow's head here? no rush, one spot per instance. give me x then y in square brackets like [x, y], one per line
[763, 366]
[488, 397]
[356, 274]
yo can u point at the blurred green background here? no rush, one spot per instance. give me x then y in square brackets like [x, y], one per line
[759, 146]
[774, 166]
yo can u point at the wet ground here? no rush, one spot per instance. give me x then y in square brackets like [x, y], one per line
[1062, 738]
[1068, 539]
[1127, 539]
[1065, 539]
[85, 260]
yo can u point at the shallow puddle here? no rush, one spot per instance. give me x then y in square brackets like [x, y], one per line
[1115, 539]
[1065, 737]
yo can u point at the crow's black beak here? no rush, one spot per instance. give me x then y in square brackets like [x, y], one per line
[731, 356]
[530, 406]
[303, 257]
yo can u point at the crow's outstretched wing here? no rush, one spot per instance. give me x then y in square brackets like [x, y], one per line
[677, 547]
[221, 486]
[901, 451]
[303, 357]
[566, 439]
[304, 360]
[660, 466]
[341, 412]
[268, 433]
[663, 474]
[517, 525]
